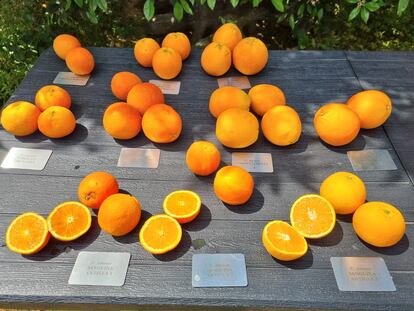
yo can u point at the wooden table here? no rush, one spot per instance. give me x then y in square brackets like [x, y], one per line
[309, 79]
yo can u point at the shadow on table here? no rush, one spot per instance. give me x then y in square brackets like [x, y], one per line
[304, 262]
[179, 251]
[201, 222]
[332, 239]
[138, 141]
[254, 205]
[397, 249]
[133, 237]
[79, 135]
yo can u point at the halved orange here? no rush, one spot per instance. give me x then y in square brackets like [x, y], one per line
[27, 234]
[69, 220]
[183, 205]
[283, 242]
[160, 234]
[312, 216]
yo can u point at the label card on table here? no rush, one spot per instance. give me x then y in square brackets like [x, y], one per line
[139, 157]
[253, 162]
[362, 274]
[168, 87]
[100, 268]
[240, 82]
[27, 159]
[219, 270]
[69, 78]
[371, 160]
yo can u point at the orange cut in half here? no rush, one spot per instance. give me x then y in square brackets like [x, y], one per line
[27, 234]
[283, 242]
[183, 205]
[313, 216]
[160, 234]
[69, 220]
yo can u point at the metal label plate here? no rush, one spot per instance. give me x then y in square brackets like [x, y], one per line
[168, 87]
[240, 82]
[100, 268]
[362, 274]
[371, 160]
[219, 270]
[27, 159]
[69, 78]
[139, 157]
[253, 162]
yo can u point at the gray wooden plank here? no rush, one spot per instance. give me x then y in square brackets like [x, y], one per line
[383, 70]
[403, 56]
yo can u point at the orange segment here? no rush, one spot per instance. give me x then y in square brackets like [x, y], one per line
[27, 234]
[183, 205]
[312, 216]
[283, 242]
[160, 234]
[68, 221]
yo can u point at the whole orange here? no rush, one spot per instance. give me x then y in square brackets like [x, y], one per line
[20, 118]
[144, 51]
[161, 123]
[264, 97]
[227, 97]
[167, 63]
[122, 121]
[216, 59]
[122, 82]
[63, 44]
[379, 224]
[203, 158]
[144, 95]
[80, 61]
[250, 56]
[56, 122]
[179, 42]
[52, 95]
[336, 124]
[228, 34]
[96, 187]
[233, 185]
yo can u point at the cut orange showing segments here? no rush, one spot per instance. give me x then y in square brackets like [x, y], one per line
[183, 205]
[312, 216]
[68, 221]
[27, 234]
[160, 234]
[283, 242]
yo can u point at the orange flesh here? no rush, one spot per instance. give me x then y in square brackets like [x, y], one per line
[182, 204]
[69, 220]
[160, 233]
[27, 233]
[285, 238]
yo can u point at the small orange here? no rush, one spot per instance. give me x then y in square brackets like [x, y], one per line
[27, 234]
[228, 34]
[167, 63]
[144, 95]
[179, 42]
[281, 126]
[203, 158]
[144, 51]
[56, 122]
[160, 234]
[69, 221]
[336, 124]
[237, 128]
[283, 242]
[372, 107]
[161, 124]
[20, 118]
[183, 205]
[63, 44]
[250, 56]
[264, 97]
[52, 95]
[216, 59]
[122, 82]
[122, 121]
[96, 187]
[227, 97]
[80, 61]
[345, 191]
[233, 185]
[379, 224]
[119, 214]
[312, 216]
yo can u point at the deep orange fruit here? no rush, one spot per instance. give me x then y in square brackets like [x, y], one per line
[233, 185]
[20, 118]
[228, 34]
[179, 42]
[122, 82]
[96, 187]
[161, 124]
[144, 95]
[227, 97]
[56, 122]
[52, 95]
[250, 56]
[216, 59]
[63, 44]
[122, 121]
[80, 61]
[144, 51]
[264, 97]
[203, 158]
[167, 63]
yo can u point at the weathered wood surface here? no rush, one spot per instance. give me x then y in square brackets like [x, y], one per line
[309, 79]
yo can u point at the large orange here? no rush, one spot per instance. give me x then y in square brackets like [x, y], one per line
[216, 59]
[179, 42]
[233, 185]
[144, 51]
[96, 187]
[372, 107]
[52, 95]
[228, 34]
[203, 158]
[122, 121]
[144, 95]
[63, 44]
[80, 61]
[183, 205]
[122, 82]
[56, 122]
[264, 97]
[161, 124]
[250, 56]
[20, 118]
[345, 191]
[336, 124]
[167, 63]
[237, 128]
[119, 214]
[227, 97]
[379, 224]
